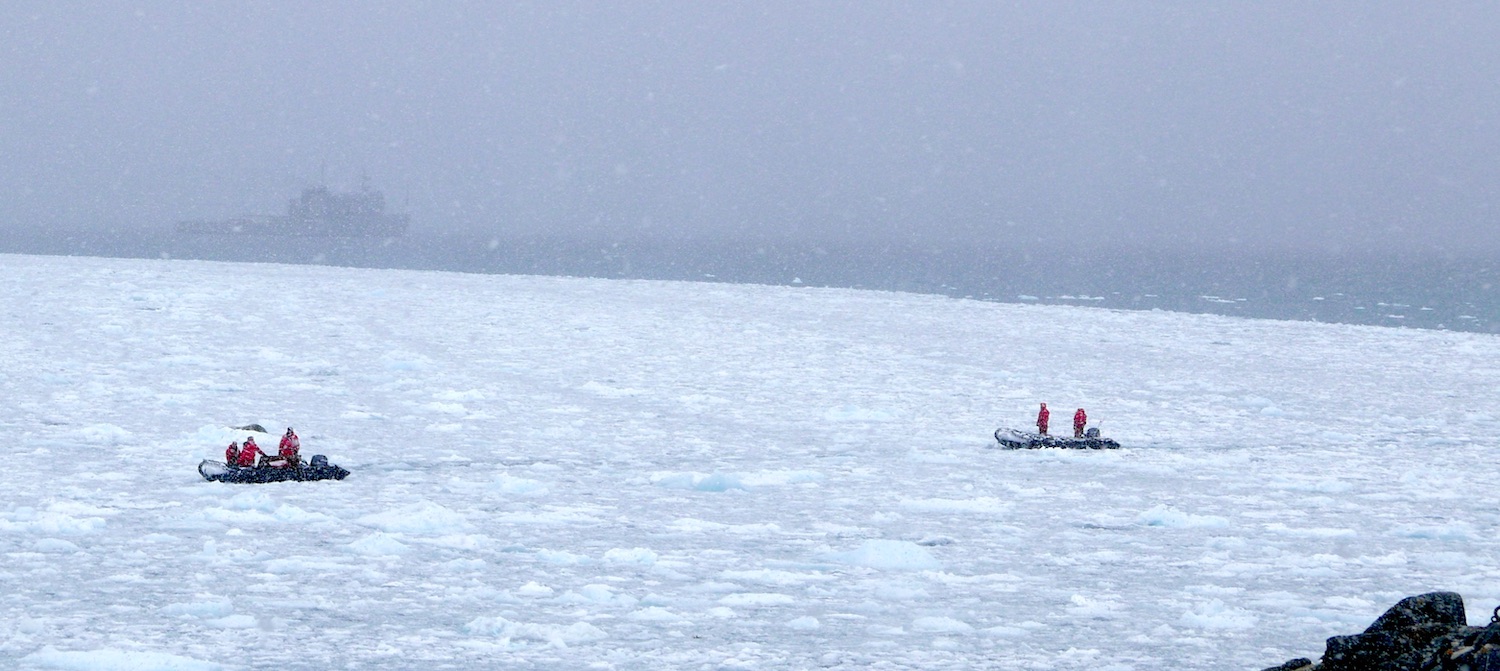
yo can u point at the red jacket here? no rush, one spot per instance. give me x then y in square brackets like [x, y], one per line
[232, 453]
[248, 454]
[1080, 418]
[290, 444]
[1041, 419]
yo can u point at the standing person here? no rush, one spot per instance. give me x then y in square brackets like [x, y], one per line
[1041, 420]
[1080, 420]
[249, 454]
[288, 450]
[232, 454]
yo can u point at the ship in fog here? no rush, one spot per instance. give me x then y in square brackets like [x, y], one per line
[318, 212]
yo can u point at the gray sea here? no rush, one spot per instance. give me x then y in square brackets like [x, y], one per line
[1426, 291]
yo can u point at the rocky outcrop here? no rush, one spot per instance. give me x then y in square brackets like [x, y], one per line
[1428, 632]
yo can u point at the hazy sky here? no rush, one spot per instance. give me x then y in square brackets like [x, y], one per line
[1327, 124]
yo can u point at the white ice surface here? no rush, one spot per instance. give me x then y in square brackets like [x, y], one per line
[569, 473]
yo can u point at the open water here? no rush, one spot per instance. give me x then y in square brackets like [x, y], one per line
[1410, 291]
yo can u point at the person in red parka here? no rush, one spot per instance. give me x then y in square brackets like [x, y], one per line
[249, 454]
[232, 453]
[1041, 420]
[289, 449]
[1080, 420]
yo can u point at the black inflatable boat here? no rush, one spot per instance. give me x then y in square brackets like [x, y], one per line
[317, 468]
[1013, 439]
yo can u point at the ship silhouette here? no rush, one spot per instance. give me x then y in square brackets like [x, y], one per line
[318, 212]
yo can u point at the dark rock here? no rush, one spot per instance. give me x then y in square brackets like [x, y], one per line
[1428, 632]
[1466, 649]
[1487, 659]
[1487, 635]
[1293, 665]
[1444, 608]
[1402, 639]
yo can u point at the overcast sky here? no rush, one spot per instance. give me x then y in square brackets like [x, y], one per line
[1318, 125]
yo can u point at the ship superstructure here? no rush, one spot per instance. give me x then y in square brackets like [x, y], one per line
[317, 212]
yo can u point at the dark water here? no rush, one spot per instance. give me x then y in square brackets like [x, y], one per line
[1429, 292]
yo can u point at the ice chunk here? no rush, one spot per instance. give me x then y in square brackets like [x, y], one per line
[109, 658]
[423, 517]
[941, 625]
[1167, 516]
[888, 555]
[378, 544]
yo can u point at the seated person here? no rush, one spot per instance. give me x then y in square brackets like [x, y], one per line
[249, 454]
[232, 454]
